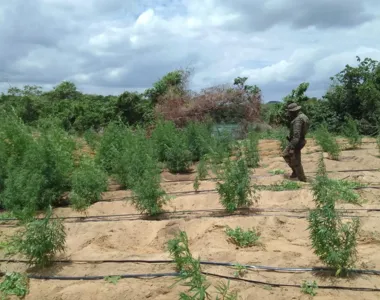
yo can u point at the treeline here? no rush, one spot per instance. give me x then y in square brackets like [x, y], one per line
[354, 93]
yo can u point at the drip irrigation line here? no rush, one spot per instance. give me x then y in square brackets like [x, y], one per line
[214, 191]
[359, 289]
[176, 274]
[202, 262]
[271, 175]
[172, 215]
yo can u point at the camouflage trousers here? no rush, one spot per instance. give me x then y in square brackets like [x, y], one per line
[294, 161]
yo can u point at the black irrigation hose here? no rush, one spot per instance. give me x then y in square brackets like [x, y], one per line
[359, 289]
[162, 217]
[202, 262]
[271, 175]
[156, 275]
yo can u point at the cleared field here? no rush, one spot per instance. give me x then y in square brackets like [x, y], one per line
[113, 230]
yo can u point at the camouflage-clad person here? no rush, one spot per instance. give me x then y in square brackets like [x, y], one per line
[298, 129]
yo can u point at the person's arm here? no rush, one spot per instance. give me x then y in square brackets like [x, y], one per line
[297, 128]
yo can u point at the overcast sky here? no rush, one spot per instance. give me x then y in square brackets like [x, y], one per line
[108, 46]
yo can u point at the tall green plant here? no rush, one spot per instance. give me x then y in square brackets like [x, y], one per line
[333, 241]
[198, 136]
[250, 150]
[236, 190]
[327, 142]
[352, 133]
[88, 181]
[38, 175]
[177, 156]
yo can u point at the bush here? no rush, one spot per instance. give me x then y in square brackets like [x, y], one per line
[177, 156]
[88, 181]
[333, 241]
[40, 240]
[162, 136]
[38, 175]
[351, 132]
[198, 137]
[327, 142]
[115, 140]
[242, 238]
[236, 190]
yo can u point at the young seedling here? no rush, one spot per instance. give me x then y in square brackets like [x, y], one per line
[243, 238]
[277, 172]
[286, 185]
[14, 284]
[191, 273]
[112, 279]
[240, 270]
[309, 288]
[40, 240]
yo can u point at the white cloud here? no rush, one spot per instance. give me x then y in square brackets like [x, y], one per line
[111, 46]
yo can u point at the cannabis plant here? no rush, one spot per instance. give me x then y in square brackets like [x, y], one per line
[88, 181]
[236, 190]
[250, 150]
[333, 241]
[40, 240]
[327, 142]
[352, 133]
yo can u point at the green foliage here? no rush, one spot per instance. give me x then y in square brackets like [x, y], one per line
[333, 241]
[327, 142]
[14, 283]
[92, 138]
[37, 168]
[286, 185]
[40, 240]
[356, 91]
[198, 136]
[88, 181]
[112, 279]
[148, 195]
[113, 142]
[309, 288]
[235, 191]
[191, 272]
[174, 81]
[250, 150]
[351, 132]
[277, 172]
[243, 238]
[240, 270]
[177, 156]
[162, 137]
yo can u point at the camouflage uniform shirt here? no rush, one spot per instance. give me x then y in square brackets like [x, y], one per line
[298, 130]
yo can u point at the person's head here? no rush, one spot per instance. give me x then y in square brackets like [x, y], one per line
[293, 110]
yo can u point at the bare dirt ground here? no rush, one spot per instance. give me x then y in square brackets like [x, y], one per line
[279, 216]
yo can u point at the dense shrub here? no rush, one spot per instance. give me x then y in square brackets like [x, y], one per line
[88, 181]
[327, 142]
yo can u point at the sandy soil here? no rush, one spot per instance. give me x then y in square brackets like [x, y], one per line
[279, 216]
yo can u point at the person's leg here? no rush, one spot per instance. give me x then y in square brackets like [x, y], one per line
[298, 165]
[288, 159]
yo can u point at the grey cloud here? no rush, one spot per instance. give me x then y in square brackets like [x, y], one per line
[260, 15]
